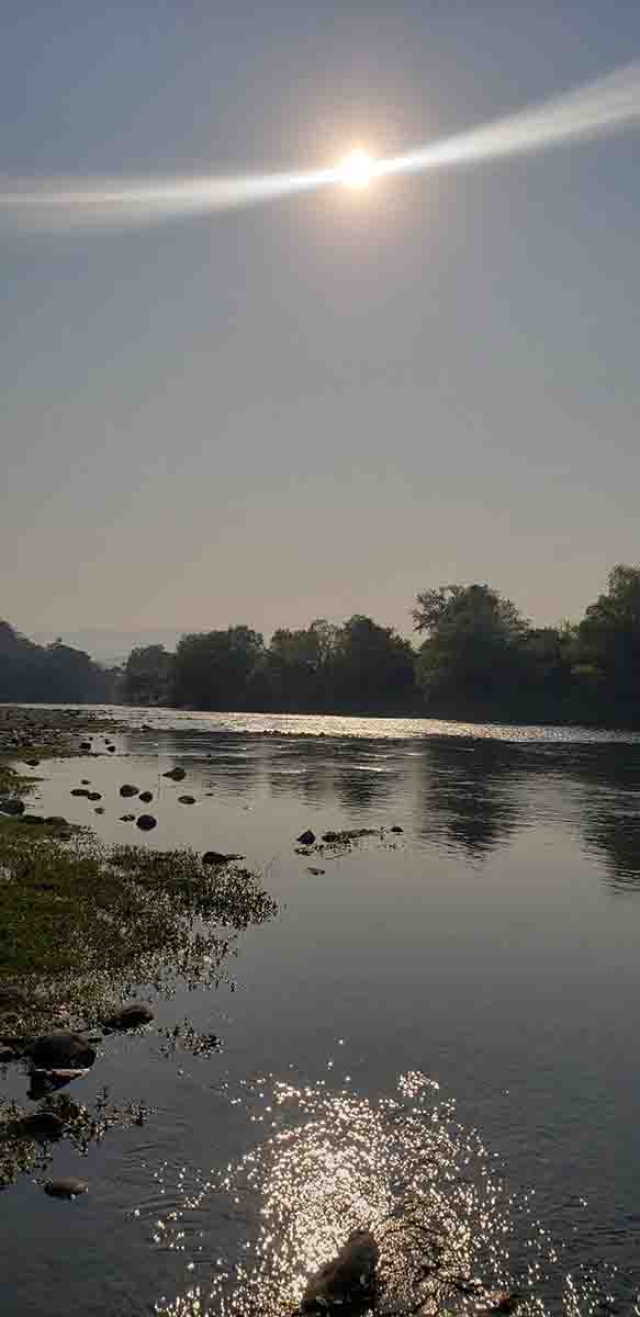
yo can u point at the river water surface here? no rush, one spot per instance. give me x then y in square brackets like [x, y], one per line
[441, 1020]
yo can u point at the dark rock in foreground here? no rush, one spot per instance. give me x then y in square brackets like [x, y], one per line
[176, 774]
[306, 838]
[146, 797]
[146, 822]
[80, 791]
[186, 800]
[347, 1283]
[62, 1051]
[127, 818]
[396, 828]
[127, 789]
[66, 1187]
[131, 1016]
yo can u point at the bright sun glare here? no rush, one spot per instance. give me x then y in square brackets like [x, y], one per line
[356, 170]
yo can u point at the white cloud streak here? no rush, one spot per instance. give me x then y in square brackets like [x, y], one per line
[608, 105]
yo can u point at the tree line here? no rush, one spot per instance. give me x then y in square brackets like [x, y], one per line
[475, 656]
[54, 674]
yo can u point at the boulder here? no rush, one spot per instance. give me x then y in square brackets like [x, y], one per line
[86, 746]
[146, 822]
[396, 828]
[306, 838]
[146, 797]
[127, 790]
[67, 1186]
[131, 1016]
[176, 774]
[111, 749]
[62, 1051]
[10, 805]
[80, 791]
[347, 1282]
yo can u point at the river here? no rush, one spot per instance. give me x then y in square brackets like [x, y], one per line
[445, 1014]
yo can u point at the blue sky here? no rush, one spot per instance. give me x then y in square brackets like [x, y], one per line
[319, 406]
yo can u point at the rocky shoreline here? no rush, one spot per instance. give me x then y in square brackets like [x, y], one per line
[41, 731]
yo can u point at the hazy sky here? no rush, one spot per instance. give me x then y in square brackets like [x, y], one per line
[321, 405]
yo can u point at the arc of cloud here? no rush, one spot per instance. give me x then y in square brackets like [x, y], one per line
[607, 105]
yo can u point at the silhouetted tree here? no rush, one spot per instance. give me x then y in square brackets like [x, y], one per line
[148, 675]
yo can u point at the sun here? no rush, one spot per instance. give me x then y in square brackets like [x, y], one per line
[357, 169]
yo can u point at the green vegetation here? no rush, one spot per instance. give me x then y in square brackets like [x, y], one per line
[81, 926]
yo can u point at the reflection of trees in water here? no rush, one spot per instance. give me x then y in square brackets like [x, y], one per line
[299, 767]
[363, 777]
[611, 810]
[472, 800]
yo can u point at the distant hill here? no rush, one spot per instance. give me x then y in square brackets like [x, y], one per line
[110, 647]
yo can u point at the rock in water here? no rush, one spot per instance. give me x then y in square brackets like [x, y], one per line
[127, 789]
[396, 828]
[186, 800]
[66, 1187]
[347, 1283]
[217, 857]
[146, 796]
[146, 822]
[8, 805]
[307, 838]
[127, 818]
[176, 774]
[131, 1016]
[62, 1051]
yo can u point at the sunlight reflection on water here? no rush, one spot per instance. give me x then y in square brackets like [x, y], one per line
[452, 1238]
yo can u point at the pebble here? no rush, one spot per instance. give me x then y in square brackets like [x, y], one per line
[146, 796]
[186, 800]
[127, 789]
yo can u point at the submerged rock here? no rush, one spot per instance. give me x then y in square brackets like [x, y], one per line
[346, 1283]
[127, 789]
[306, 838]
[67, 1186]
[146, 822]
[127, 818]
[347, 835]
[176, 774]
[186, 800]
[94, 795]
[131, 1016]
[41, 1125]
[62, 1051]
[80, 791]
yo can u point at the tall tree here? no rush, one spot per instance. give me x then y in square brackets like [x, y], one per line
[471, 656]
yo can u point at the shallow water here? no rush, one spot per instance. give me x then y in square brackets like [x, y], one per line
[491, 949]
